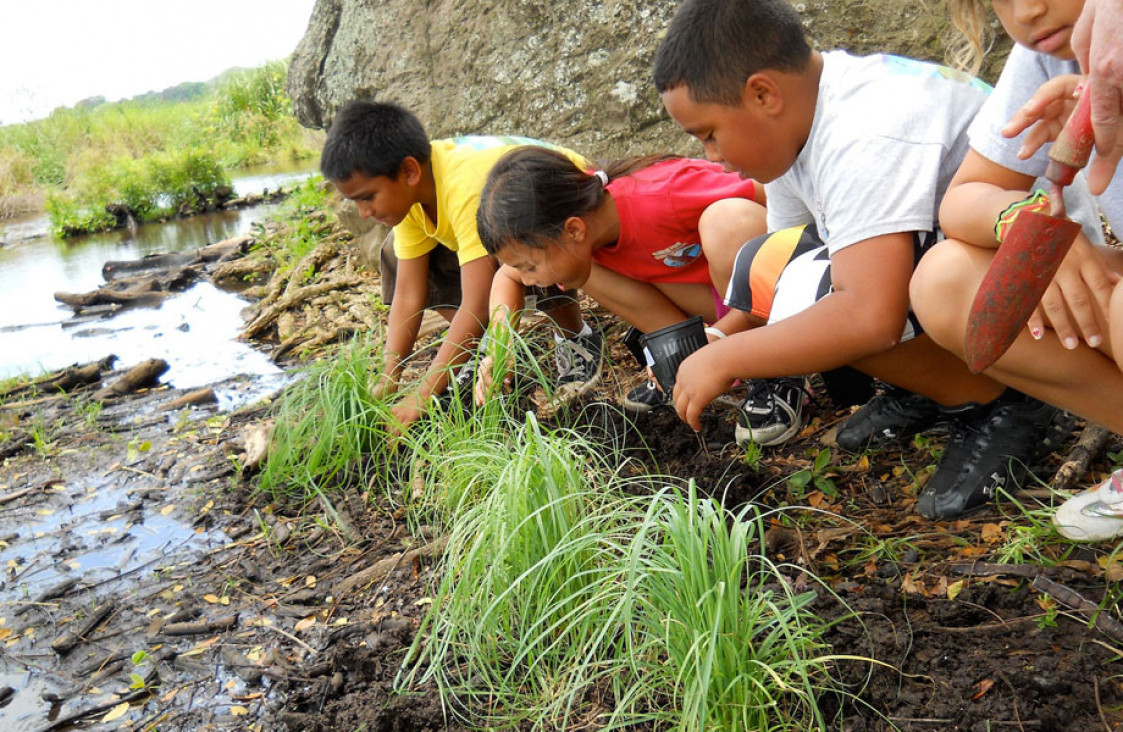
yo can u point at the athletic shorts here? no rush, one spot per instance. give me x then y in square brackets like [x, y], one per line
[444, 281]
[783, 273]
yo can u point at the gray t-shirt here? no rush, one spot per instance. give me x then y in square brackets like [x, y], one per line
[1024, 72]
[888, 135]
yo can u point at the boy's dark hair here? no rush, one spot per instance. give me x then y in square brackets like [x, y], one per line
[714, 46]
[372, 138]
[532, 190]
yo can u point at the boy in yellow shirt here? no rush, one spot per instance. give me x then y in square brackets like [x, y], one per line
[379, 156]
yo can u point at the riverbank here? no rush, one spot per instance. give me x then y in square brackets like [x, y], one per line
[187, 599]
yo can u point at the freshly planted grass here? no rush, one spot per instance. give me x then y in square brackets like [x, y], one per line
[529, 600]
[718, 640]
[328, 432]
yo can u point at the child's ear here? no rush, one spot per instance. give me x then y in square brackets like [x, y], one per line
[410, 171]
[575, 229]
[764, 94]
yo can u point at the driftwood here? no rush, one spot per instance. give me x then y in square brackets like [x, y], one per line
[199, 396]
[1091, 443]
[113, 270]
[382, 569]
[67, 379]
[293, 299]
[141, 376]
[50, 593]
[135, 291]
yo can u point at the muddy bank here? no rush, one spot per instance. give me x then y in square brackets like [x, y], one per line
[148, 585]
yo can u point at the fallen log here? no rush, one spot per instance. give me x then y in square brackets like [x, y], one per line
[50, 593]
[133, 291]
[139, 377]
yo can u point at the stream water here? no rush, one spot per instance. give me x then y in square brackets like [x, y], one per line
[93, 520]
[194, 331]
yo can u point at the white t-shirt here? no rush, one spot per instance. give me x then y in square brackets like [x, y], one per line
[889, 134]
[1024, 72]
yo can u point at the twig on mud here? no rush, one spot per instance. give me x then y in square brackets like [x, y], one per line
[384, 567]
[199, 627]
[50, 593]
[1001, 625]
[291, 637]
[15, 495]
[1073, 599]
[68, 641]
[1099, 706]
[1091, 444]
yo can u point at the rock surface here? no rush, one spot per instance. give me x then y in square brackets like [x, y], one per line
[574, 73]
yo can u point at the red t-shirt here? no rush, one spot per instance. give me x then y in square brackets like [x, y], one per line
[659, 207]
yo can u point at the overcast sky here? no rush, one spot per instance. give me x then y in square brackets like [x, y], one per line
[57, 52]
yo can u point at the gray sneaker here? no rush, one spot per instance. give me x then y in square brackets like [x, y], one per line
[579, 366]
[645, 398]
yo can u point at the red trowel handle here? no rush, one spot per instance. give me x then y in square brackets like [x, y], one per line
[1072, 148]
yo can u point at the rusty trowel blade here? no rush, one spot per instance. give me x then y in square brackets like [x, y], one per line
[1018, 276]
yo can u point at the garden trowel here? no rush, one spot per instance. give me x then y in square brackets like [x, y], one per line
[1030, 253]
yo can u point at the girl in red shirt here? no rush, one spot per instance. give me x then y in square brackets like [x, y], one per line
[652, 239]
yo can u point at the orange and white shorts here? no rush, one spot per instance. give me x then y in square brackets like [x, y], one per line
[783, 273]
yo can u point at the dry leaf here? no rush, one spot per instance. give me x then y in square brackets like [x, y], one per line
[239, 711]
[305, 624]
[212, 599]
[981, 688]
[116, 712]
[954, 589]
[167, 509]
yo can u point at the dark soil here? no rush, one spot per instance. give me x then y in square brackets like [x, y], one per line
[961, 642]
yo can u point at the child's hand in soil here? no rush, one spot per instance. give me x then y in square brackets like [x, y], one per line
[696, 385]
[382, 387]
[405, 413]
[485, 380]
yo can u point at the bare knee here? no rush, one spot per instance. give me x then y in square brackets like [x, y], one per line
[943, 287]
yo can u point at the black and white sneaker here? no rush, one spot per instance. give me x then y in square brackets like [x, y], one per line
[579, 366]
[990, 448]
[772, 413]
[645, 398]
[892, 414]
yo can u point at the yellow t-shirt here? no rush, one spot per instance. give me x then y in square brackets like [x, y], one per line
[460, 168]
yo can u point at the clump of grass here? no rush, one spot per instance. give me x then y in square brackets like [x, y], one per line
[568, 583]
[718, 639]
[328, 432]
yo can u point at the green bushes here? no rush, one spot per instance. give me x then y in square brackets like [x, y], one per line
[149, 158]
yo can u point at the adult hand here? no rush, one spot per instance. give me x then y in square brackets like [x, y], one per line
[1095, 41]
[1078, 296]
[697, 383]
[1046, 112]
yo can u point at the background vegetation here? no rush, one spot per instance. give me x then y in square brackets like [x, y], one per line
[96, 165]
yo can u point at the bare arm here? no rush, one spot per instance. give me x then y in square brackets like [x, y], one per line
[863, 316]
[978, 193]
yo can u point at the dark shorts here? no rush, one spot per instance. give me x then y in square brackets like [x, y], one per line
[783, 273]
[444, 281]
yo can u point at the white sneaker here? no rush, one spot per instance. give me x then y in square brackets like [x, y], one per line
[1094, 515]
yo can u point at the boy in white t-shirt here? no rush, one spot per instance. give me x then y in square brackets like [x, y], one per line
[857, 151]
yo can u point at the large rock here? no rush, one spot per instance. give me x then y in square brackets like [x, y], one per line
[577, 73]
